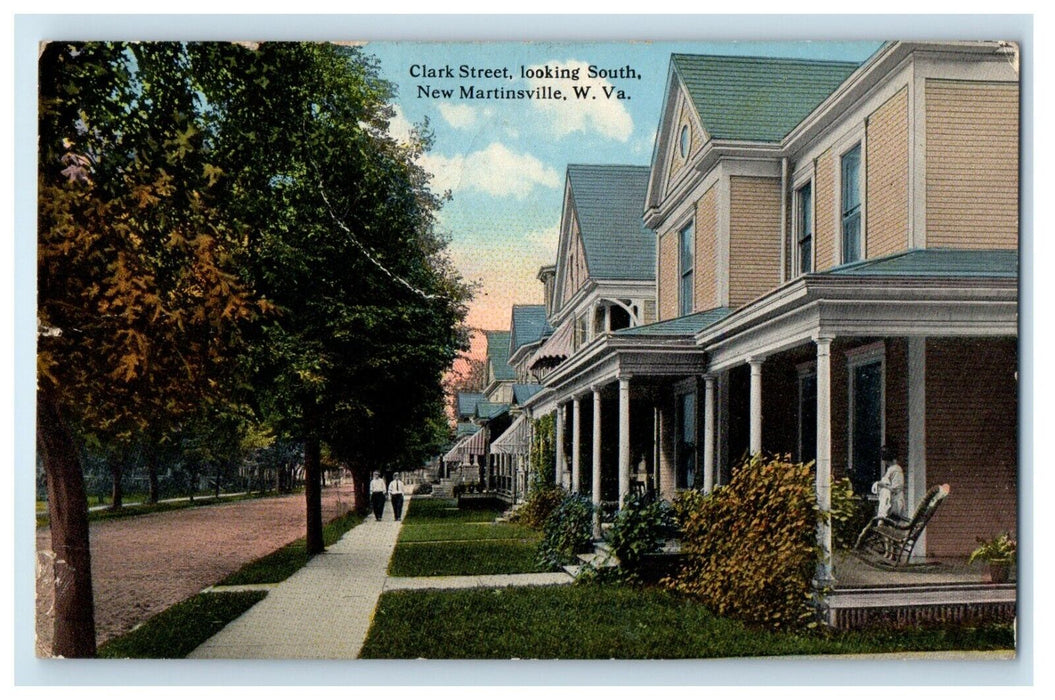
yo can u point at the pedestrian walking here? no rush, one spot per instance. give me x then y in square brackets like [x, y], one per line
[395, 492]
[377, 495]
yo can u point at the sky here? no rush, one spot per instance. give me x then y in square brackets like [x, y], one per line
[504, 160]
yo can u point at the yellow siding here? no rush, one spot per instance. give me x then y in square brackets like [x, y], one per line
[706, 263]
[575, 265]
[887, 183]
[754, 237]
[667, 284]
[972, 164]
[824, 216]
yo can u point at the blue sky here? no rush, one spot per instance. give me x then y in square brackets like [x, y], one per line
[504, 160]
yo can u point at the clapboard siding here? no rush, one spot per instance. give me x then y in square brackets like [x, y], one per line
[824, 214]
[667, 284]
[754, 237]
[972, 164]
[887, 159]
[575, 273]
[971, 430]
[706, 263]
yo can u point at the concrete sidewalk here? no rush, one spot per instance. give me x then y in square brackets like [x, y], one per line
[321, 612]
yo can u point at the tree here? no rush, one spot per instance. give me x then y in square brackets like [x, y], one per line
[139, 310]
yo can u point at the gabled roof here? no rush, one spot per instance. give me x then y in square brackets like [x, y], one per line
[529, 325]
[487, 410]
[466, 429]
[467, 403]
[523, 392]
[935, 262]
[756, 99]
[609, 201]
[498, 355]
[683, 325]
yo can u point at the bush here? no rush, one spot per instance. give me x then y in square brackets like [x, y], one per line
[640, 528]
[540, 503]
[568, 532]
[685, 503]
[750, 547]
[423, 489]
[850, 514]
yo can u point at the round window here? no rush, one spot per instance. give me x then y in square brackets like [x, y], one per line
[683, 141]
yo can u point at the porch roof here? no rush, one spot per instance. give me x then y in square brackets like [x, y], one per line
[553, 351]
[465, 429]
[683, 325]
[935, 262]
[487, 410]
[523, 392]
[515, 440]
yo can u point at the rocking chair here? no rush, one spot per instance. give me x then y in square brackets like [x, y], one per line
[888, 541]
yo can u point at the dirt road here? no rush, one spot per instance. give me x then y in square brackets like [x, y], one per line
[142, 565]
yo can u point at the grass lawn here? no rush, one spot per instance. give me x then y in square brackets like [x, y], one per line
[605, 622]
[177, 631]
[282, 563]
[130, 511]
[438, 539]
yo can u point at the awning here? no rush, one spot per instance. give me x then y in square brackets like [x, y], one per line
[476, 444]
[455, 453]
[516, 440]
[556, 348]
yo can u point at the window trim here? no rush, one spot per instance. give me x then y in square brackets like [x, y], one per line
[679, 437]
[803, 371]
[690, 226]
[796, 229]
[841, 213]
[684, 140]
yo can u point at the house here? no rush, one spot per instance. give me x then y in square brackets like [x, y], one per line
[836, 270]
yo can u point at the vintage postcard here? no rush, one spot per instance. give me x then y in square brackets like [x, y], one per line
[528, 350]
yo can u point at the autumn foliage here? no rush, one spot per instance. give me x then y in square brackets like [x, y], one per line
[751, 547]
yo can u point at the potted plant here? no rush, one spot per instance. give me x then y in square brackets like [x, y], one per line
[999, 553]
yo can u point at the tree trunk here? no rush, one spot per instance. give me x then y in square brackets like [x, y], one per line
[361, 486]
[152, 470]
[116, 492]
[74, 635]
[313, 493]
[218, 470]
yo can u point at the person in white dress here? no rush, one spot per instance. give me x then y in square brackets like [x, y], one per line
[891, 487]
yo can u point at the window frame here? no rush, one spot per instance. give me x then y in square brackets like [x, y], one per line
[686, 301]
[859, 357]
[800, 234]
[855, 214]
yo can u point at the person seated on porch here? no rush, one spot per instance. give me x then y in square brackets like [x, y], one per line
[891, 487]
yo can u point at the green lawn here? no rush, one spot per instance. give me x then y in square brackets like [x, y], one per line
[437, 539]
[604, 622]
[130, 511]
[177, 631]
[282, 563]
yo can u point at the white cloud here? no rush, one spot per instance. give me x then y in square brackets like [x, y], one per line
[458, 116]
[607, 116]
[495, 170]
[399, 127]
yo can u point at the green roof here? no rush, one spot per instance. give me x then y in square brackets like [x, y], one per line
[529, 325]
[487, 409]
[498, 355]
[935, 262]
[756, 99]
[683, 325]
[467, 403]
[523, 392]
[609, 201]
[466, 429]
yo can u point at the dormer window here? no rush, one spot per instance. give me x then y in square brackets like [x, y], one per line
[683, 140]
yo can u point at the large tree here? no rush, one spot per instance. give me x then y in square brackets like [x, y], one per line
[339, 226]
[138, 305]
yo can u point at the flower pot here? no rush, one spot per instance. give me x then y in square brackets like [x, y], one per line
[999, 571]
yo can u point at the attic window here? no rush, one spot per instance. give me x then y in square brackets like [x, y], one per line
[683, 140]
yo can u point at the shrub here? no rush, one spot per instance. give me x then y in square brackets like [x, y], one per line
[685, 503]
[423, 489]
[750, 547]
[568, 531]
[640, 528]
[850, 514]
[539, 504]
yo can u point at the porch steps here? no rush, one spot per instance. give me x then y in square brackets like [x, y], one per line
[600, 558]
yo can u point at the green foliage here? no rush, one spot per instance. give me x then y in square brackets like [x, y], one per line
[179, 630]
[850, 514]
[685, 504]
[1002, 548]
[613, 622]
[541, 501]
[568, 531]
[543, 453]
[751, 547]
[640, 527]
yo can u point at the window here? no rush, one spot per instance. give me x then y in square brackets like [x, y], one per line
[804, 246]
[807, 414]
[686, 441]
[851, 204]
[580, 331]
[867, 416]
[685, 267]
[683, 140]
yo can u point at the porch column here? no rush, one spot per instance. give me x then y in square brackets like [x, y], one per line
[916, 455]
[708, 433]
[595, 484]
[824, 456]
[755, 443]
[559, 437]
[576, 438]
[624, 439]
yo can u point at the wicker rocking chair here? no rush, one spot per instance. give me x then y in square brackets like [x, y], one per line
[888, 541]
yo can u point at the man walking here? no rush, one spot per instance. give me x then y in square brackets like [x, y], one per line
[395, 492]
[377, 495]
